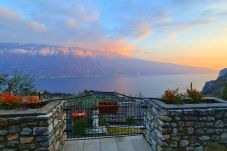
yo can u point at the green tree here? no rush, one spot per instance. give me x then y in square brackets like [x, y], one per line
[3, 81]
[18, 83]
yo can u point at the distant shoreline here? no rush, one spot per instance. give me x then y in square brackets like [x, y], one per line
[116, 76]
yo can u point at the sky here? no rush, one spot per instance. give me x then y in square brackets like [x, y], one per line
[187, 32]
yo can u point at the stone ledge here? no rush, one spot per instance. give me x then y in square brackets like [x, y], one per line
[220, 104]
[43, 111]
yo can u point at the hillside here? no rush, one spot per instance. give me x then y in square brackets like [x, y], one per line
[215, 87]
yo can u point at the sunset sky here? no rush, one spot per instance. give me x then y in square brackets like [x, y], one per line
[188, 32]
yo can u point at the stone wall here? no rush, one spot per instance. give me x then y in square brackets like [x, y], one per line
[185, 127]
[33, 130]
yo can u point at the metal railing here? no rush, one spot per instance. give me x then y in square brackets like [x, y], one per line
[104, 114]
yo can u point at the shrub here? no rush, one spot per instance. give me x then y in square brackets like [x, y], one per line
[80, 127]
[103, 122]
[130, 120]
[195, 95]
[224, 93]
[173, 97]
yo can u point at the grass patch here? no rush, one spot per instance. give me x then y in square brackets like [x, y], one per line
[123, 130]
[215, 147]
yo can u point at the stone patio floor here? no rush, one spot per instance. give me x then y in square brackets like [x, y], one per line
[129, 143]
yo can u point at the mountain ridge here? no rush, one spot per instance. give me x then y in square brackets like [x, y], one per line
[58, 61]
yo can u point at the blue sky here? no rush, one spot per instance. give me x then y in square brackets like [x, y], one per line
[167, 30]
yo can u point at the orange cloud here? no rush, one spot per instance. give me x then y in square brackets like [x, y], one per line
[118, 47]
[102, 47]
[82, 53]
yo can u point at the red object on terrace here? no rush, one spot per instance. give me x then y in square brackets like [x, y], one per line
[108, 107]
[79, 114]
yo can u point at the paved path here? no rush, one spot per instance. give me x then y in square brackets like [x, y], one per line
[130, 143]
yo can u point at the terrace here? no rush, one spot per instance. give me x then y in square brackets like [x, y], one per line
[114, 122]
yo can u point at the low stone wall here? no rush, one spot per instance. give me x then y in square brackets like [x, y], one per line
[185, 127]
[33, 129]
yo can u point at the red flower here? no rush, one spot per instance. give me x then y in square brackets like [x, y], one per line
[8, 99]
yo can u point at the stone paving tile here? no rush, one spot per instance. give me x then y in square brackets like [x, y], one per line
[130, 143]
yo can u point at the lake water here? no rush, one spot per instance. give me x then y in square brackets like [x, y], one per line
[148, 86]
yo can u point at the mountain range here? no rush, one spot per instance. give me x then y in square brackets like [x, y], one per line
[48, 61]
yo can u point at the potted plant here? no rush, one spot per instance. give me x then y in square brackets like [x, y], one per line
[173, 96]
[191, 96]
[108, 107]
[10, 101]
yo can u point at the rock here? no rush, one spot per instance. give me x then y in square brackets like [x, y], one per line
[12, 137]
[8, 150]
[41, 138]
[3, 132]
[224, 136]
[175, 138]
[223, 73]
[173, 144]
[214, 137]
[189, 124]
[190, 130]
[26, 140]
[27, 146]
[181, 124]
[219, 124]
[2, 145]
[41, 149]
[4, 123]
[40, 131]
[214, 88]
[174, 124]
[184, 143]
[166, 118]
[14, 129]
[26, 131]
[204, 138]
[12, 143]
[175, 130]
[165, 137]
[177, 118]
[200, 148]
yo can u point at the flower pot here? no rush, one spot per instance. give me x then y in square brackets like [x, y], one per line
[79, 114]
[30, 100]
[108, 107]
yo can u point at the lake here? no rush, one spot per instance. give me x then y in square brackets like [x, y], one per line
[148, 86]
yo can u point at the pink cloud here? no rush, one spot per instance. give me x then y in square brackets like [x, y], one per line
[143, 30]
